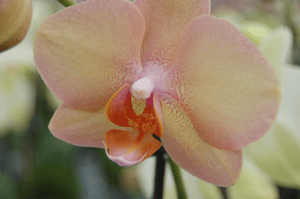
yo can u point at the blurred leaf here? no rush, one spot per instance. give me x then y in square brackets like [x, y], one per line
[8, 187]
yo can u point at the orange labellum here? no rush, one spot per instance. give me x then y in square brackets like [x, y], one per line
[129, 148]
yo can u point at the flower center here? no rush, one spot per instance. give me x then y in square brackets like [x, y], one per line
[142, 88]
[123, 109]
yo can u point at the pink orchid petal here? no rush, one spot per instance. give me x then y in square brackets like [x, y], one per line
[158, 114]
[165, 21]
[15, 16]
[228, 89]
[193, 154]
[80, 127]
[86, 52]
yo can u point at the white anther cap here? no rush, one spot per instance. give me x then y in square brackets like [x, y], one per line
[142, 88]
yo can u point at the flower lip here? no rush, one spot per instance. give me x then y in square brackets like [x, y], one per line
[127, 148]
[120, 110]
[121, 160]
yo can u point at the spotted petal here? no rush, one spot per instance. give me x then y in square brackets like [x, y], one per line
[193, 154]
[228, 89]
[88, 51]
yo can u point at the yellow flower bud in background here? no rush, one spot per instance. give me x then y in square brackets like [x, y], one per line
[276, 47]
[256, 31]
[15, 18]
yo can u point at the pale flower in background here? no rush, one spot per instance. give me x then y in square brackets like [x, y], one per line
[255, 30]
[15, 17]
[17, 98]
[277, 154]
[209, 191]
[252, 184]
[275, 44]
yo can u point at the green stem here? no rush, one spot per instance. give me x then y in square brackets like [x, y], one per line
[178, 180]
[66, 3]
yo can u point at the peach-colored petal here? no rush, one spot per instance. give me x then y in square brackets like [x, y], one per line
[80, 127]
[86, 52]
[228, 89]
[15, 17]
[190, 152]
[158, 114]
[129, 148]
[165, 21]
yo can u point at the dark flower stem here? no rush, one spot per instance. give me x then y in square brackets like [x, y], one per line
[159, 174]
[178, 180]
[224, 192]
[66, 3]
[289, 193]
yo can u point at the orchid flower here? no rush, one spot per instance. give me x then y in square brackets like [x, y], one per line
[128, 73]
[15, 17]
